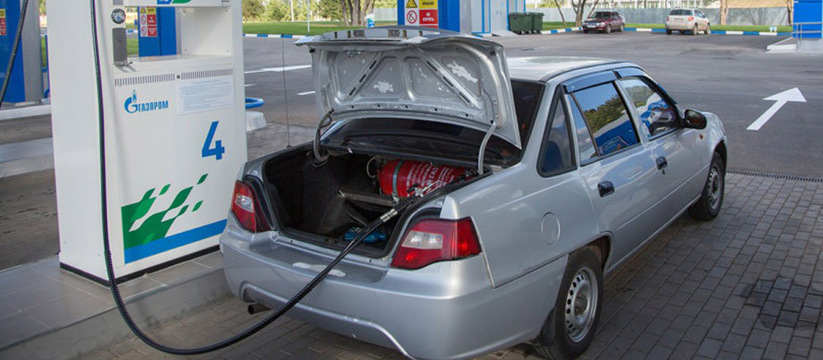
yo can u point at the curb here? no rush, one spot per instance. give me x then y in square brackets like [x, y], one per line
[718, 32]
[26, 111]
[560, 31]
[281, 36]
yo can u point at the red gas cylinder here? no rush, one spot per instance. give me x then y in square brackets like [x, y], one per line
[397, 176]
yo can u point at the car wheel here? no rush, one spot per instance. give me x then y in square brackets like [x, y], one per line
[585, 31]
[711, 200]
[608, 29]
[707, 29]
[668, 32]
[570, 328]
[694, 30]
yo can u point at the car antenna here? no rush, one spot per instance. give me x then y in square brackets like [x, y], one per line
[285, 93]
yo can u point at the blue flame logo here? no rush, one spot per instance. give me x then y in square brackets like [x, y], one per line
[132, 106]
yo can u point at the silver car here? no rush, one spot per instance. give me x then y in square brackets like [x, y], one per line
[691, 20]
[537, 176]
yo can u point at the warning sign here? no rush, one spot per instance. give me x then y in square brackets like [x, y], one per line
[411, 4]
[428, 4]
[3, 22]
[148, 22]
[428, 18]
[411, 17]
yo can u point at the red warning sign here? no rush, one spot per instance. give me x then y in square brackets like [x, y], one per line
[3, 22]
[148, 22]
[428, 18]
[411, 18]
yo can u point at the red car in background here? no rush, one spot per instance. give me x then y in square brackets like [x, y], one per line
[605, 21]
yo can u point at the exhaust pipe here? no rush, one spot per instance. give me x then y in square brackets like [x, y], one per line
[257, 308]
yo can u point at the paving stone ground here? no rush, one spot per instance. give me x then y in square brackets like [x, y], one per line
[747, 285]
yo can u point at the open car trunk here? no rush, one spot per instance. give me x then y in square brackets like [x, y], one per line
[327, 204]
[391, 75]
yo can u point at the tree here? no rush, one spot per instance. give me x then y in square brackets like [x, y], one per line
[253, 10]
[579, 8]
[277, 10]
[354, 11]
[789, 11]
[42, 7]
[560, 11]
[554, 4]
[330, 9]
[724, 10]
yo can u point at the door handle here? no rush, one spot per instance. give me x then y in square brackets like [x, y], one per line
[605, 188]
[661, 162]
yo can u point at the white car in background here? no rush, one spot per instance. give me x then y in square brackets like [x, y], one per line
[691, 20]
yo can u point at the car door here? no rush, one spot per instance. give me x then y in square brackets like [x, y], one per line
[616, 167]
[674, 149]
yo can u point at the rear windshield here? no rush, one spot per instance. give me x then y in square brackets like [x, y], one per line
[681, 12]
[434, 139]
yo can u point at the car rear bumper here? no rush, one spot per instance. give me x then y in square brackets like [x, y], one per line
[680, 26]
[446, 310]
[595, 28]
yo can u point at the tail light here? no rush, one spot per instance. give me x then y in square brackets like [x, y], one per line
[246, 208]
[668, 18]
[429, 241]
[691, 18]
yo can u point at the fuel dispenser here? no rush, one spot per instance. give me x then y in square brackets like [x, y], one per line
[173, 136]
[147, 148]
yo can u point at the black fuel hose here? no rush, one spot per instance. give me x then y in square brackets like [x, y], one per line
[115, 291]
[14, 47]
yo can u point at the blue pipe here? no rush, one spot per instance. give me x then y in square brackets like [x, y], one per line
[483, 15]
[252, 103]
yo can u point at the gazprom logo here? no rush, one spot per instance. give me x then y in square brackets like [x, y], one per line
[132, 106]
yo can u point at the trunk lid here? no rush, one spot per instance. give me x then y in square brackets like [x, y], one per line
[402, 72]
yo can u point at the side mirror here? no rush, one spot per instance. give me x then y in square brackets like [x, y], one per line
[694, 120]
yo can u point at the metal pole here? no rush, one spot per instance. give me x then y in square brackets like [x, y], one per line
[291, 5]
[308, 21]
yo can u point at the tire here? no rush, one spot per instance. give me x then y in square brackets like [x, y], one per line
[694, 30]
[711, 199]
[608, 29]
[708, 26]
[668, 32]
[585, 31]
[582, 281]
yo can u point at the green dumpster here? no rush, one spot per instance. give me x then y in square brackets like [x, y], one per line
[536, 22]
[520, 23]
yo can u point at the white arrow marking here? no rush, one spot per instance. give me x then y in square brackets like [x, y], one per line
[247, 85]
[306, 93]
[279, 69]
[782, 99]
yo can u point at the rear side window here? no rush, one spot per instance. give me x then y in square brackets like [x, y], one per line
[556, 154]
[607, 118]
[657, 116]
[526, 98]
[585, 146]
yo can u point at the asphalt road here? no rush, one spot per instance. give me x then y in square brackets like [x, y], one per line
[728, 75]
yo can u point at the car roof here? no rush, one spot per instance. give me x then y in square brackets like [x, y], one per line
[541, 68]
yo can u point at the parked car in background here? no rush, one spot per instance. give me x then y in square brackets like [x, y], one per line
[605, 21]
[542, 174]
[683, 20]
